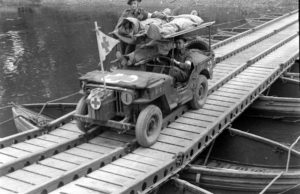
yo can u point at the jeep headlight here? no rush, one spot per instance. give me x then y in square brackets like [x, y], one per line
[127, 97]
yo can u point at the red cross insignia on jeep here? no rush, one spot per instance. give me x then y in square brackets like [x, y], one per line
[95, 102]
[115, 78]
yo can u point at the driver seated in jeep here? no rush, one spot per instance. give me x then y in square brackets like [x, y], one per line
[181, 61]
[180, 65]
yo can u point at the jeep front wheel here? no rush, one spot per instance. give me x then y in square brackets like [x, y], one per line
[148, 125]
[81, 109]
[200, 93]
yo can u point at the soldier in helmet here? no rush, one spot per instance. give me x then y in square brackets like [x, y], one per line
[135, 11]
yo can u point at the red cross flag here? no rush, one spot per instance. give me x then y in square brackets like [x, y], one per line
[105, 43]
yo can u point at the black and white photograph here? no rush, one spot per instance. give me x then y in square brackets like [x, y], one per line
[149, 97]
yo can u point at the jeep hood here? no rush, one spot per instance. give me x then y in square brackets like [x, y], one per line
[125, 78]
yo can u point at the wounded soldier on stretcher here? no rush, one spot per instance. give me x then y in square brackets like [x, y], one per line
[174, 24]
[155, 27]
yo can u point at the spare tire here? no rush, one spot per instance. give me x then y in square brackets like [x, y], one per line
[198, 44]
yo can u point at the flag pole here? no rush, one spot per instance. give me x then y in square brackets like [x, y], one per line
[98, 35]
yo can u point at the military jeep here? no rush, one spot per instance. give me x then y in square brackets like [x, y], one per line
[141, 98]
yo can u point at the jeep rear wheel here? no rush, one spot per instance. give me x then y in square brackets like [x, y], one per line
[82, 109]
[200, 93]
[148, 125]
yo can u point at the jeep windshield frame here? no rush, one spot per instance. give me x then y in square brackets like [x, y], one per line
[196, 28]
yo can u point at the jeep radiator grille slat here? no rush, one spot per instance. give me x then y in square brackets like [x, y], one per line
[119, 105]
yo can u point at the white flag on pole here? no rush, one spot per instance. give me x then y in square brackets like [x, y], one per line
[105, 44]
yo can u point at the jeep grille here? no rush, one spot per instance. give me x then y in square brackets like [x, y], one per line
[119, 104]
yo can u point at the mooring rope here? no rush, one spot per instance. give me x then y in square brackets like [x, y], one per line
[57, 99]
[292, 187]
[209, 152]
[289, 154]
[39, 114]
[272, 182]
[13, 118]
[10, 119]
[5, 107]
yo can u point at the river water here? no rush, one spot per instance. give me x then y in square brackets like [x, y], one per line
[46, 45]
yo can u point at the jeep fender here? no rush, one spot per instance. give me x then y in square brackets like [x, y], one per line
[206, 73]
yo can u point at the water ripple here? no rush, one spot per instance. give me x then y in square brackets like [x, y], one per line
[16, 52]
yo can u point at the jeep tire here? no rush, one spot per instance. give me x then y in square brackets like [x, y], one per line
[200, 93]
[148, 125]
[81, 109]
